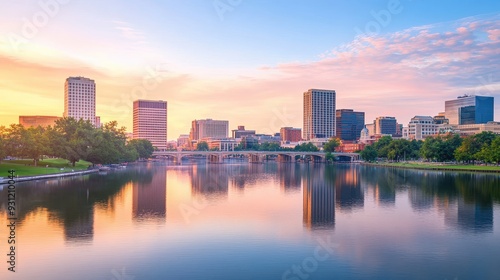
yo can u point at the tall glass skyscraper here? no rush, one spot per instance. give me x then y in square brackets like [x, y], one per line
[319, 114]
[469, 109]
[349, 124]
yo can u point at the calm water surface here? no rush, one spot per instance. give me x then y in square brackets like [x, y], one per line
[257, 221]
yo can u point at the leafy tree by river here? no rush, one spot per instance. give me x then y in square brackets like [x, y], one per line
[483, 147]
[72, 140]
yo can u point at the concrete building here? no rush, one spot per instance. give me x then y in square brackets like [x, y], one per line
[349, 124]
[471, 129]
[35, 121]
[290, 134]
[208, 129]
[150, 122]
[80, 98]
[421, 127]
[227, 144]
[241, 131]
[441, 119]
[183, 141]
[469, 109]
[319, 114]
[371, 129]
[385, 125]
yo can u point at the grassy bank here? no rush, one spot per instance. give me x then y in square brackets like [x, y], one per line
[25, 167]
[439, 166]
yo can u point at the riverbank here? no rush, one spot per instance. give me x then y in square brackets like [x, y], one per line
[25, 167]
[5, 180]
[438, 167]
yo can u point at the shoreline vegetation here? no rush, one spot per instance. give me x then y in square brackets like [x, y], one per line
[437, 166]
[25, 167]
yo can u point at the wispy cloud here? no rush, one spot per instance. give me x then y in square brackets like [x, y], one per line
[405, 73]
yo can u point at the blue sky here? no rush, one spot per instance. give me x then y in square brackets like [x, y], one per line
[260, 54]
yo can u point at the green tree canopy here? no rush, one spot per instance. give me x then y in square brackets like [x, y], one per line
[331, 145]
[202, 146]
[306, 147]
[369, 153]
[143, 147]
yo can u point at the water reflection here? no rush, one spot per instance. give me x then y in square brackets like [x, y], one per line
[465, 198]
[210, 181]
[469, 216]
[261, 224]
[383, 184]
[70, 202]
[348, 191]
[319, 198]
[290, 176]
[149, 198]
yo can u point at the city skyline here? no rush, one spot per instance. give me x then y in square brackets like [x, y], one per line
[237, 69]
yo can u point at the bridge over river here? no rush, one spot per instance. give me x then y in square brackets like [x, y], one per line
[253, 156]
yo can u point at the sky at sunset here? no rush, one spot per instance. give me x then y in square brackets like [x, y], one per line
[248, 61]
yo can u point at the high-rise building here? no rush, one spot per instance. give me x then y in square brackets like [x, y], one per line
[208, 129]
[319, 114]
[290, 134]
[36, 121]
[150, 122]
[79, 99]
[469, 109]
[349, 124]
[385, 125]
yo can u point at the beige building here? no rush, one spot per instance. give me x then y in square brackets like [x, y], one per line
[35, 121]
[209, 129]
[471, 129]
[150, 122]
[319, 114]
[421, 127]
[80, 99]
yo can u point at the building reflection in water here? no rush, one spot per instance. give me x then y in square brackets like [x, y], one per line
[290, 176]
[81, 228]
[470, 215]
[210, 181]
[149, 199]
[319, 198]
[348, 192]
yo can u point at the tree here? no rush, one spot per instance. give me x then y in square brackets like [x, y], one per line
[467, 150]
[369, 153]
[3, 146]
[71, 139]
[143, 147]
[29, 143]
[399, 149]
[431, 148]
[329, 157]
[382, 146]
[494, 150]
[331, 145]
[269, 146]
[306, 147]
[202, 146]
[450, 144]
[490, 152]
